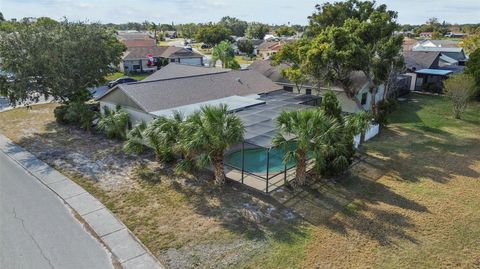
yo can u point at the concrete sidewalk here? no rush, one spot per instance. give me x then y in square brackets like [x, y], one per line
[129, 251]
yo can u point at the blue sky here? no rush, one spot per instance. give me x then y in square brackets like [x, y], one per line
[268, 11]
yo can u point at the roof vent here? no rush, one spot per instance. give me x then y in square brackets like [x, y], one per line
[239, 80]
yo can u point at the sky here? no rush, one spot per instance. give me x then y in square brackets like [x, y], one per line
[267, 11]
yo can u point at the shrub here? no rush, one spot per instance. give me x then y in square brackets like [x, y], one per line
[459, 89]
[59, 113]
[80, 113]
[114, 124]
[385, 108]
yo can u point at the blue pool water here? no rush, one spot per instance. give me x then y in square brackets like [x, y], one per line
[256, 160]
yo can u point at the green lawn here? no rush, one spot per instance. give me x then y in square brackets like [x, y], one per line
[116, 75]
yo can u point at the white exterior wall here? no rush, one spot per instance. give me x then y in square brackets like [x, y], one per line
[412, 81]
[372, 131]
[136, 116]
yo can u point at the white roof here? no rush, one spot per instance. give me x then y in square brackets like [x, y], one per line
[234, 103]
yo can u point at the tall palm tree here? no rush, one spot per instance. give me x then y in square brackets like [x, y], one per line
[224, 53]
[305, 126]
[161, 135]
[208, 133]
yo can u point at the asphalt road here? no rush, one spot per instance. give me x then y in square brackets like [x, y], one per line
[37, 230]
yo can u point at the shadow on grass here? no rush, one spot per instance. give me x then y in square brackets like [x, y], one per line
[252, 214]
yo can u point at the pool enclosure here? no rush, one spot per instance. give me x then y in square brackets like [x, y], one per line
[256, 162]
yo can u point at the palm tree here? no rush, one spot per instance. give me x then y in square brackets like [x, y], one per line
[161, 135]
[208, 133]
[114, 124]
[357, 123]
[224, 52]
[305, 126]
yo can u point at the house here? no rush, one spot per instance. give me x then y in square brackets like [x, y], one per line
[136, 39]
[426, 34]
[456, 35]
[170, 34]
[149, 59]
[408, 44]
[439, 43]
[254, 98]
[446, 48]
[361, 101]
[268, 48]
[186, 88]
[255, 43]
[428, 69]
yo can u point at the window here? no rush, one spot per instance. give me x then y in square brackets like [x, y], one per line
[288, 89]
[364, 98]
[136, 67]
[308, 91]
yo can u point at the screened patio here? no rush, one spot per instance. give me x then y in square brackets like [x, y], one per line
[255, 162]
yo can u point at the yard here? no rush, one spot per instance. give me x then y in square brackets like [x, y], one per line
[411, 200]
[116, 75]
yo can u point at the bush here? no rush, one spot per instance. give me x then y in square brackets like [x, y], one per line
[114, 123]
[81, 114]
[59, 113]
[385, 108]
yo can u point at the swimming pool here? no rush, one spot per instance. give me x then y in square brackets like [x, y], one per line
[256, 160]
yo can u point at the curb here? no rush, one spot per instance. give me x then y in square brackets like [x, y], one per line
[126, 247]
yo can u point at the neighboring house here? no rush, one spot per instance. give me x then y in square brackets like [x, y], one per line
[428, 69]
[408, 44]
[136, 39]
[268, 48]
[439, 44]
[456, 35]
[426, 34]
[361, 101]
[139, 59]
[445, 49]
[186, 88]
[255, 43]
[170, 34]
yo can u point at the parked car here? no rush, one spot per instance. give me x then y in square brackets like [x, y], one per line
[121, 80]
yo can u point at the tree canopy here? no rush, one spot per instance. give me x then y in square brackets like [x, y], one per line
[54, 59]
[285, 31]
[212, 34]
[237, 27]
[245, 46]
[257, 30]
[344, 37]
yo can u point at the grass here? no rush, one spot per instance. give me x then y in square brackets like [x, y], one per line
[411, 202]
[241, 60]
[116, 75]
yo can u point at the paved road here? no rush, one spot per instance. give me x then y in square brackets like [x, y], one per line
[37, 230]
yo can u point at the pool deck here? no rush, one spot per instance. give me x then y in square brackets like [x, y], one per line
[259, 183]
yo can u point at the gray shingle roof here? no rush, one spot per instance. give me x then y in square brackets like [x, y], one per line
[274, 72]
[137, 53]
[170, 93]
[175, 70]
[416, 60]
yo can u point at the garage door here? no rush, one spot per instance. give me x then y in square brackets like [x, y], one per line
[191, 61]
